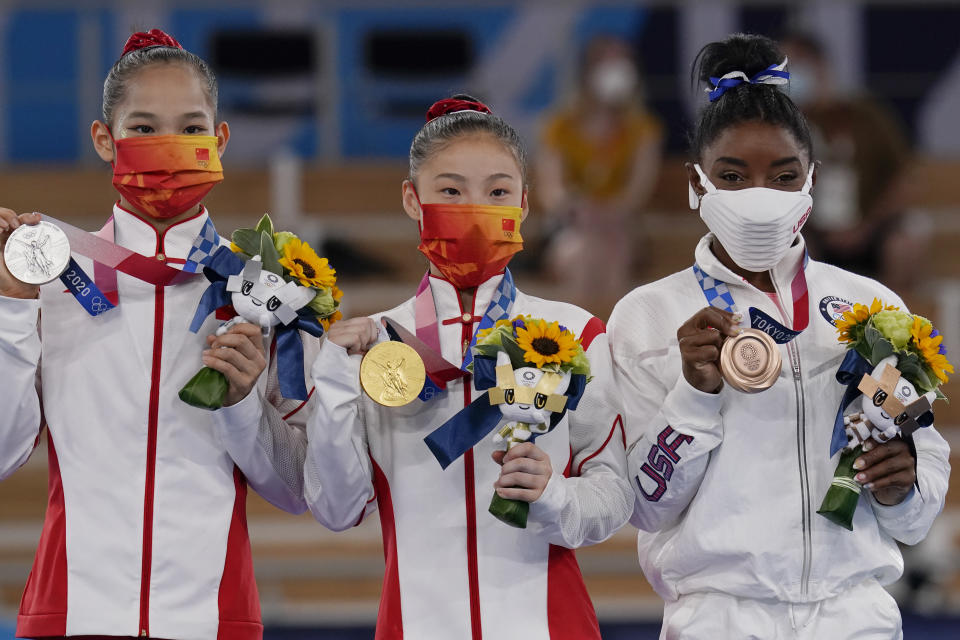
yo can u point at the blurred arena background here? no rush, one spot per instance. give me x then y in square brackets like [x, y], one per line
[323, 99]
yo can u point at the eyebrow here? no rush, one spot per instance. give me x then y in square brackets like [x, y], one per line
[499, 176]
[147, 114]
[742, 163]
[451, 176]
[734, 161]
[783, 161]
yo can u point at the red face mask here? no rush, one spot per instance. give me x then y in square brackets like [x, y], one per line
[163, 176]
[469, 243]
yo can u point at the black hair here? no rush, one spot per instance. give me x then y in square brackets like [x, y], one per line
[115, 86]
[744, 102]
[444, 128]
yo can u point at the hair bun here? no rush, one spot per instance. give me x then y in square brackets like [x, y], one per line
[744, 52]
[152, 38]
[456, 103]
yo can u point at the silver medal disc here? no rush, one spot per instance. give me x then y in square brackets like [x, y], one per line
[37, 253]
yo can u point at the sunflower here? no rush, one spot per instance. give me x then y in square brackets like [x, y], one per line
[235, 248]
[544, 343]
[303, 263]
[333, 317]
[336, 293]
[483, 333]
[928, 343]
[846, 326]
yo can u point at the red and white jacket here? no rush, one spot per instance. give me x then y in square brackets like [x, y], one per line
[452, 569]
[145, 532]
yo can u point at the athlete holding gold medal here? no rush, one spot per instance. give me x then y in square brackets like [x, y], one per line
[453, 570]
[727, 482]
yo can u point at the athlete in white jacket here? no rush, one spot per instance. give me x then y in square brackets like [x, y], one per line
[452, 569]
[727, 484]
[145, 533]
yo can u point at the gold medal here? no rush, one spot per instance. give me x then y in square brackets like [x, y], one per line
[392, 374]
[750, 362]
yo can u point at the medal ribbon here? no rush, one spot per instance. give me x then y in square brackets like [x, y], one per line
[428, 329]
[718, 295]
[99, 294]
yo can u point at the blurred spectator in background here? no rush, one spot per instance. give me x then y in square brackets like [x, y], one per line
[599, 160]
[862, 222]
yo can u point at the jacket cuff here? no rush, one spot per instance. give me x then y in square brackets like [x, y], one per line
[19, 317]
[897, 513]
[334, 364]
[693, 412]
[242, 416]
[547, 507]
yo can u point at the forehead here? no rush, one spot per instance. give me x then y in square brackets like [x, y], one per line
[757, 143]
[166, 89]
[477, 155]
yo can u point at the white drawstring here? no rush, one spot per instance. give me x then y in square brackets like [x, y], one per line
[812, 614]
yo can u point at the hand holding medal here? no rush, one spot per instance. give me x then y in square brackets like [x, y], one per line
[701, 341]
[34, 253]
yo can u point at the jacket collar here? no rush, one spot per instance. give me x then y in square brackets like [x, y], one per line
[446, 298]
[137, 234]
[782, 274]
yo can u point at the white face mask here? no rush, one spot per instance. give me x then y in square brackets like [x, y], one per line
[613, 81]
[757, 225]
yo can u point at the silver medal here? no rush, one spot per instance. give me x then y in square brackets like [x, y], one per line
[37, 253]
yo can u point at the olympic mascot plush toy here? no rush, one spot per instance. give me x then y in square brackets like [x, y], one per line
[275, 281]
[533, 371]
[893, 369]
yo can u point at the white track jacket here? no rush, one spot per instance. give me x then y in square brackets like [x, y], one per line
[727, 485]
[145, 531]
[452, 569]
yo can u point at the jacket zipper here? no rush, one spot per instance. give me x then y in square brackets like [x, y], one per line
[805, 506]
[470, 498]
[151, 462]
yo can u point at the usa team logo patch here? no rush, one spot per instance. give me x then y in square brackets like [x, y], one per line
[832, 308]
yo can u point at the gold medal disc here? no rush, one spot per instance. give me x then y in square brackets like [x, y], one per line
[750, 362]
[392, 374]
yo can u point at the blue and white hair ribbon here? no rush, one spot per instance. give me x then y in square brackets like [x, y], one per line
[774, 74]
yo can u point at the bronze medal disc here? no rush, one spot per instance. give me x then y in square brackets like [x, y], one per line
[392, 374]
[750, 362]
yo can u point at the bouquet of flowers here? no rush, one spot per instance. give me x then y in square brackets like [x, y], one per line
[272, 279]
[894, 367]
[540, 370]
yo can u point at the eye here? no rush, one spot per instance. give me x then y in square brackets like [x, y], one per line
[499, 193]
[540, 401]
[731, 176]
[194, 129]
[508, 396]
[449, 191]
[142, 129]
[786, 179]
[246, 287]
[879, 398]
[900, 419]
[273, 303]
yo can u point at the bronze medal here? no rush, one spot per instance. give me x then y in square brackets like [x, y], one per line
[750, 362]
[392, 374]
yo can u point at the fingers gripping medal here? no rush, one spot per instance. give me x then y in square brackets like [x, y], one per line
[751, 361]
[392, 374]
[37, 253]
